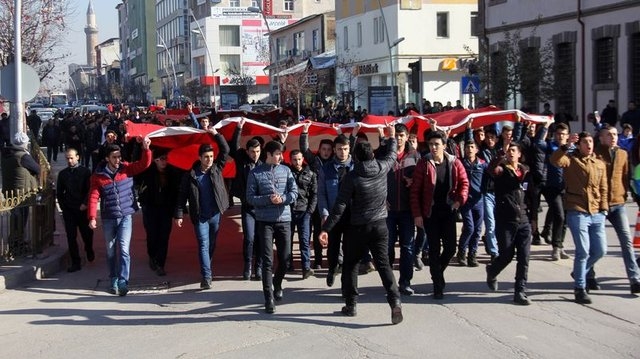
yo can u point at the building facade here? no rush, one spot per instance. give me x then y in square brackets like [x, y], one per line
[377, 39]
[138, 54]
[108, 70]
[292, 67]
[231, 47]
[173, 51]
[595, 46]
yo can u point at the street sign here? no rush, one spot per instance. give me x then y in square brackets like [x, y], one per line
[30, 83]
[470, 84]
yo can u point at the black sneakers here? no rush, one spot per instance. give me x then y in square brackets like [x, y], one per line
[492, 282]
[205, 283]
[521, 298]
[581, 296]
[349, 310]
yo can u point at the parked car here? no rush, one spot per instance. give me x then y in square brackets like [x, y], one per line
[85, 109]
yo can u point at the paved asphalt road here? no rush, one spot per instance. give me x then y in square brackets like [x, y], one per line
[70, 315]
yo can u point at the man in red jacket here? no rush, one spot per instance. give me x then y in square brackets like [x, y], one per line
[439, 188]
[112, 183]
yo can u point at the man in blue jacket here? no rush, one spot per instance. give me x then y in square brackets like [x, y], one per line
[271, 190]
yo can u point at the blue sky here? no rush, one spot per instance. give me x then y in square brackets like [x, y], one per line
[106, 18]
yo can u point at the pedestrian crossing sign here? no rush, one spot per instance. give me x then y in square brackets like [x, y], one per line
[470, 84]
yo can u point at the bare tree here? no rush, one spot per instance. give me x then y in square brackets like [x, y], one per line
[518, 67]
[296, 85]
[43, 29]
[346, 71]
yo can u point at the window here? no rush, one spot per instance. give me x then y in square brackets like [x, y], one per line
[474, 24]
[442, 23]
[234, 3]
[378, 30]
[230, 63]
[288, 5]
[254, 3]
[565, 76]
[530, 77]
[281, 48]
[298, 43]
[197, 41]
[229, 35]
[604, 61]
[376, 36]
[634, 64]
[345, 35]
[359, 34]
[316, 39]
[198, 66]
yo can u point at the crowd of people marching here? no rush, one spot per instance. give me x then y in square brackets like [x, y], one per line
[355, 200]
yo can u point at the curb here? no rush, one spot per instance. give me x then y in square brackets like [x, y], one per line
[50, 262]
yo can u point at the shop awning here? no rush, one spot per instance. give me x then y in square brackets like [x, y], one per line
[294, 69]
[324, 61]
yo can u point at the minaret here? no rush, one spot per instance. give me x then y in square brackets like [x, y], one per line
[91, 32]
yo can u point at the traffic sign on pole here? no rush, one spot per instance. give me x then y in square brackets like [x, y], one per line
[30, 83]
[470, 84]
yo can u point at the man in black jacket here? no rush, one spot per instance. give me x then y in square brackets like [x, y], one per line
[158, 194]
[305, 205]
[365, 188]
[72, 190]
[246, 160]
[204, 187]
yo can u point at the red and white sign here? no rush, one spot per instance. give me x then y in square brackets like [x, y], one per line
[267, 7]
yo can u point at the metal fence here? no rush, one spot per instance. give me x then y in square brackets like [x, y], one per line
[27, 218]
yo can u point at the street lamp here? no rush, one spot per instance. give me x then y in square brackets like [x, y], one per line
[173, 65]
[258, 10]
[390, 46]
[394, 95]
[206, 46]
[75, 89]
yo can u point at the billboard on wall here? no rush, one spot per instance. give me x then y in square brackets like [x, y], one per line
[255, 41]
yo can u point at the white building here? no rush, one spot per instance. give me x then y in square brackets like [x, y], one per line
[597, 40]
[238, 46]
[436, 31]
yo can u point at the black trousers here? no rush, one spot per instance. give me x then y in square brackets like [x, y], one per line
[556, 215]
[266, 233]
[76, 220]
[316, 223]
[533, 204]
[335, 245]
[513, 239]
[441, 235]
[372, 237]
[157, 223]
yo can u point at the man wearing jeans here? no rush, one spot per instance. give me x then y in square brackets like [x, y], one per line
[399, 218]
[617, 163]
[272, 189]
[304, 206]
[112, 183]
[204, 187]
[586, 202]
